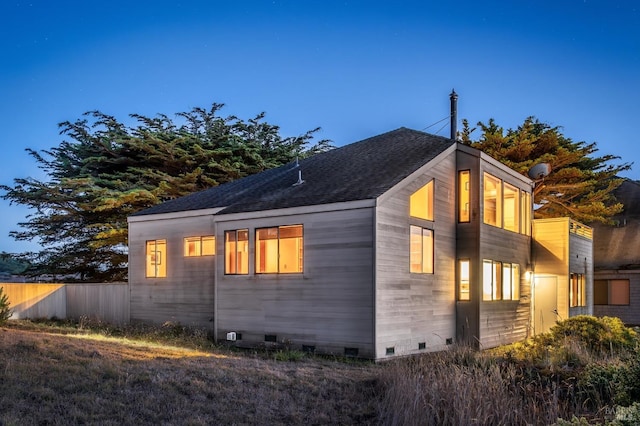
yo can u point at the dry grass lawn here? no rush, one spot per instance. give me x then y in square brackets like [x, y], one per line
[60, 379]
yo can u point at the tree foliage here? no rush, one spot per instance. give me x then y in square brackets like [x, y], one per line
[5, 307]
[580, 184]
[10, 265]
[106, 171]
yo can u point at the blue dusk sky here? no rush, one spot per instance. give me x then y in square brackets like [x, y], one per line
[354, 68]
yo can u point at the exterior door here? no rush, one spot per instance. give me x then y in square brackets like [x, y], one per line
[545, 303]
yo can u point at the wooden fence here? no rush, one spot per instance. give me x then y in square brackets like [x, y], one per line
[104, 302]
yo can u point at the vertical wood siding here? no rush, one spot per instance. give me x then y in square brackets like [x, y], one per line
[36, 300]
[103, 302]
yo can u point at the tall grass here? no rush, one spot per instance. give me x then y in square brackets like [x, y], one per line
[584, 368]
[464, 387]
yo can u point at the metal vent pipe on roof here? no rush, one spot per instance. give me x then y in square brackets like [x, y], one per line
[454, 114]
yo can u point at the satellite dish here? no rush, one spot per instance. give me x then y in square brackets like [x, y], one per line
[539, 171]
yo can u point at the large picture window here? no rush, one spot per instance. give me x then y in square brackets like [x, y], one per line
[421, 202]
[199, 246]
[280, 250]
[577, 291]
[236, 252]
[506, 206]
[156, 255]
[500, 280]
[421, 258]
[611, 292]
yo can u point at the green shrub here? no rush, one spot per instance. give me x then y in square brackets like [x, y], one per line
[575, 342]
[5, 309]
[598, 335]
[626, 416]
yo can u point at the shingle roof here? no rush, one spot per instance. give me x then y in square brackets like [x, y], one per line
[358, 171]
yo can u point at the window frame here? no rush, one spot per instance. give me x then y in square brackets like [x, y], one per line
[464, 296]
[497, 201]
[525, 212]
[236, 264]
[156, 258]
[260, 251]
[608, 291]
[200, 242]
[577, 290]
[464, 196]
[421, 202]
[426, 258]
[521, 201]
[495, 287]
[515, 204]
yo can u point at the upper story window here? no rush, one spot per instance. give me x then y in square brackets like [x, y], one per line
[421, 257]
[421, 202]
[492, 200]
[156, 258]
[511, 208]
[200, 246]
[280, 250]
[464, 214]
[525, 213]
[505, 206]
[236, 252]
[500, 280]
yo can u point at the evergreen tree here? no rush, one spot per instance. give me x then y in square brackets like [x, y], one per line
[107, 171]
[580, 184]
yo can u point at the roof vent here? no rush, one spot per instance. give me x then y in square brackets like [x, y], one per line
[300, 181]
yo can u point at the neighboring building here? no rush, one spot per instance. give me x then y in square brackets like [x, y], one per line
[617, 259]
[398, 244]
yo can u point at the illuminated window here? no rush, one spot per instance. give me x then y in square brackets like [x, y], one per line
[491, 280]
[156, 258]
[199, 246]
[421, 257]
[525, 212]
[510, 281]
[236, 252]
[500, 281]
[511, 206]
[279, 250]
[463, 196]
[577, 291]
[421, 202]
[611, 292]
[492, 200]
[464, 292]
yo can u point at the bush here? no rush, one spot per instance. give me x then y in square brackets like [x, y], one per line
[606, 335]
[575, 342]
[5, 310]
